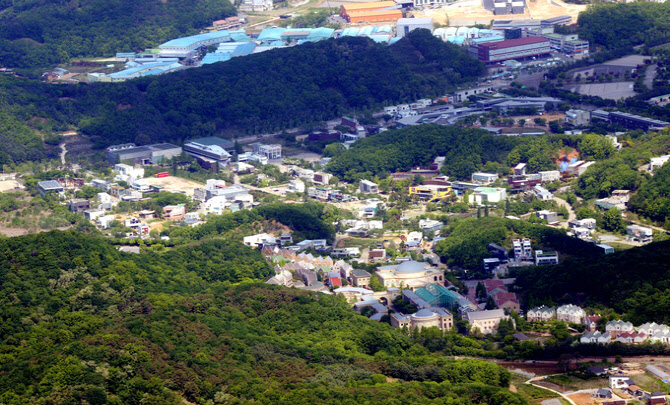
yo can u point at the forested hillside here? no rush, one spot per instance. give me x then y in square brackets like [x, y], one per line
[43, 33]
[625, 24]
[635, 282]
[265, 92]
[400, 150]
[83, 322]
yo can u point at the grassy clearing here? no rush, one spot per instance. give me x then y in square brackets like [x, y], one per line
[531, 393]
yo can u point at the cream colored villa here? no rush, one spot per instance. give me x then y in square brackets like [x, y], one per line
[410, 275]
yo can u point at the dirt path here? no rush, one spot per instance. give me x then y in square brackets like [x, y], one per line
[571, 212]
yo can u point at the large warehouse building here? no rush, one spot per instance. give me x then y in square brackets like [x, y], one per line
[520, 48]
[186, 47]
[149, 154]
[370, 12]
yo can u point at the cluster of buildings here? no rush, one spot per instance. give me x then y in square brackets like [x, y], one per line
[626, 333]
[622, 383]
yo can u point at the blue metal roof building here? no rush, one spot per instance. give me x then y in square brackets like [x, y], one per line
[196, 41]
[214, 57]
[271, 34]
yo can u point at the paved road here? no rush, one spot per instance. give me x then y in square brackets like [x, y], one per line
[571, 212]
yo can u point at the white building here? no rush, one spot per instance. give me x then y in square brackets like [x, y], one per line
[640, 234]
[259, 240]
[215, 205]
[425, 318]
[657, 162]
[430, 225]
[410, 275]
[486, 321]
[368, 187]
[522, 248]
[272, 152]
[406, 25]
[256, 5]
[550, 175]
[485, 195]
[484, 178]
[570, 313]
[545, 258]
[105, 221]
[296, 186]
[542, 193]
[128, 173]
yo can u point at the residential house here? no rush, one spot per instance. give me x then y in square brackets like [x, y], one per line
[507, 301]
[591, 322]
[542, 193]
[486, 321]
[541, 313]
[651, 328]
[308, 277]
[602, 393]
[296, 186]
[344, 268]
[261, 239]
[484, 178]
[79, 205]
[520, 169]
[105, 221]
[620, 382]
[595, 337]
[522, 249]
[570, 313]
[360, 278]
[660, 337]
[414, 239]
[633, 390]
[550, 216]
[430, 225]
[377, 255]
[588, 223]
[640, 234]
[174, 212]
[284, 278]
[631, 337]
[368, 187]
[545, 258]
[616, 328]
[652, 398]
[597, 371]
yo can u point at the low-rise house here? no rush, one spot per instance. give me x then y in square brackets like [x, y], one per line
[640, 234]
[598, 371]
[545, 258]
[105, 221]
[595, 337]
[430, 225]
[360, 278]
[377, 255]
[633, 390]
[353, 294]
[591, 322]
[174, 212]
[602, 393]
[261, 239]
[651, 328]
[296, 186]
[541, 313]
[484, 178]
[308, 277]
[414, 239]
[620, 382]
[550, 216]
[616, 328]
[507, 301]
[550, 176]
[570, 313]
[284, 278]
[79, 205]
[588, 223]
[631, 337]
[542, 193]
[656, 397]
[285, 239]
[368, 187]
[522, 249]
[660, 337]
[485, 321]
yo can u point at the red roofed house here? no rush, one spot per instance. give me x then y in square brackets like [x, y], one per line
[335, 282]
[632, 337]
[591, 322]
[507, 300]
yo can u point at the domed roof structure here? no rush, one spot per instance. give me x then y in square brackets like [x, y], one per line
[411, 267]
[424, 313]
